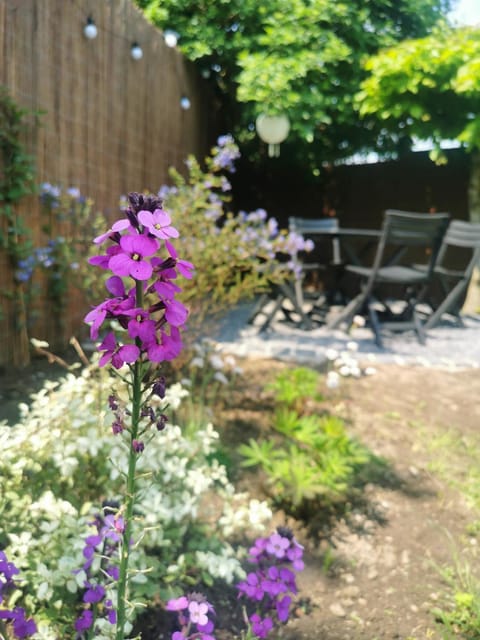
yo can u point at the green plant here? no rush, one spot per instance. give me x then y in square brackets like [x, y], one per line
[461, 615]
[310, 457]
[16, 177]
[293, 387]
[16, 182]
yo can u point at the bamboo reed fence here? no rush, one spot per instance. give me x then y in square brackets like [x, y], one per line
[110, 124]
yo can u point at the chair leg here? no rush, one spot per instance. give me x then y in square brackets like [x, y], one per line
[271, 315]
[346, 315]
[452, 297]
[419, 327]
[374, 321]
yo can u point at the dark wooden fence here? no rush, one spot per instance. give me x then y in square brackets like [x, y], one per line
[110, 124]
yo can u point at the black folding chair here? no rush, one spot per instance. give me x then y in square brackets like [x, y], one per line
[407, 238]
[461, 242]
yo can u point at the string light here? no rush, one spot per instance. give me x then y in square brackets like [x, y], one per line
[171, 38]
[90, 30]
[136, 51]
[185, 103]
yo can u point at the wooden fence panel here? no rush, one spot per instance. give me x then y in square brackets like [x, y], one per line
[111, 124]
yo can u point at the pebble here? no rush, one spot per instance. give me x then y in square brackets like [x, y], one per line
[337, 610]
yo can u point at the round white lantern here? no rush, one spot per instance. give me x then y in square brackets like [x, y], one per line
[273, 130]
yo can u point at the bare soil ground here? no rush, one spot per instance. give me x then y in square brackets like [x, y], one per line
[375, 571]
[372, 573]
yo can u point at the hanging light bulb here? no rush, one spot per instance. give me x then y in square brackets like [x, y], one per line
[185, 103]
[90, 30]
[136, 51]
[171, 38]
[273, 130]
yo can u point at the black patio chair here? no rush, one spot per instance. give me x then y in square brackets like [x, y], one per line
[402, 269]
[449, 284]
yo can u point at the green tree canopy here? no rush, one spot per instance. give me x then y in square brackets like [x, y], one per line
[427, 88]
[301, 57]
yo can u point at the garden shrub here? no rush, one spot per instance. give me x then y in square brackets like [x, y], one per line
[61, 460]
[236, 255]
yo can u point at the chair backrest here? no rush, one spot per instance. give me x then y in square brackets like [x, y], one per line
[462, 235]
[407, 230]
[311, 226]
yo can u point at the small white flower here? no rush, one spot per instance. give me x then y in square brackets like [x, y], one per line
[352, 346]
[216, 362]
[220, 377]
[344, 371]
[370, 371]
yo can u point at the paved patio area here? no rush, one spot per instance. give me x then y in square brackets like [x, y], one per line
[447, 347]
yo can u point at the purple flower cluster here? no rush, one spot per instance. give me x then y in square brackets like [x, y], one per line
[225, 153]
[193, 616]
[268, 588]
[153, 330]
[22, 627]
[104, 544]
[51, 195]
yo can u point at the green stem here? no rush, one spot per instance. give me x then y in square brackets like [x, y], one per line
[130, 490]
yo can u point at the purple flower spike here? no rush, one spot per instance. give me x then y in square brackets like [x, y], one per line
[130, 262]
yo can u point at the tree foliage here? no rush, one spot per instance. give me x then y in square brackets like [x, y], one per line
[428, 88]
[301, 57]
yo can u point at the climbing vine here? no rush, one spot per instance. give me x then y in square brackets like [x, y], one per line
[16, 182]
[16, 177]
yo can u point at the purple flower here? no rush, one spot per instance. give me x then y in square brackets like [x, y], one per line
[117, 354]
[277, 545]
[130, 261]
[283, 608]
[141, 325]
[261, 627]
[252, 587]
[158, 223]
[120, 225]
[94, 593]
[175, 313]
[165, 347]
[177, 604]
[184, 267]
[198, 612]
[84, 621]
